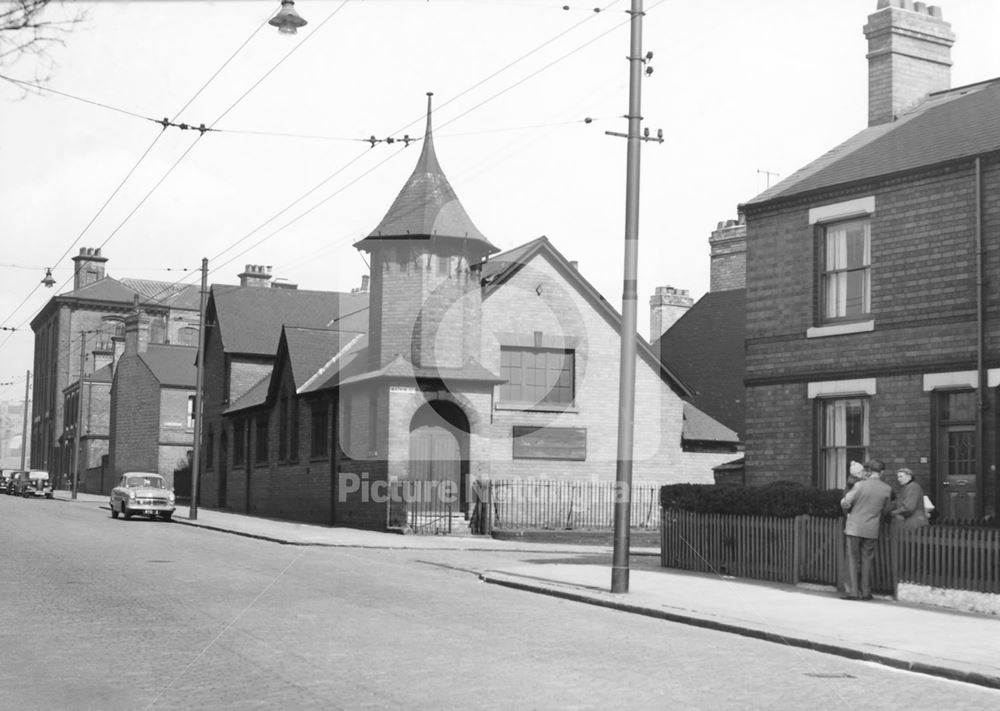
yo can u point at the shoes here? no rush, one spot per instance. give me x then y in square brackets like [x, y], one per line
[866, 597]
[849, 597]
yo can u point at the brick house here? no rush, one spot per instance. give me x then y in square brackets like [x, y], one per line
[93, 415]
[92, 316]
[871, 328]
[152, 405]
[471, 365]
[244, 326]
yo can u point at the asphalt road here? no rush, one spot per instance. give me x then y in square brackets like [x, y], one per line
[106, 614]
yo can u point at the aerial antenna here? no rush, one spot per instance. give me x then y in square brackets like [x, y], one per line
[768, 173]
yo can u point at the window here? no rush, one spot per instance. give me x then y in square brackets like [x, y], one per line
[283, 427]
[319, 426]
[537, 376]
[239, 442]
[192, 399]
[260, 439]
[845, 281]
[187, 336]
[843, 439]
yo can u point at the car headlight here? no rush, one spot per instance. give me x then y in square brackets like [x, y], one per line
[131, 494]
[172, 497]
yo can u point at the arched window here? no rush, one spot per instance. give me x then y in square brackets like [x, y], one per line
[187, 336]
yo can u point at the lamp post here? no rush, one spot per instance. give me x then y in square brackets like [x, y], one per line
[626, 380]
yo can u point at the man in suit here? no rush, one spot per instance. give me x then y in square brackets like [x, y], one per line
[866, 503]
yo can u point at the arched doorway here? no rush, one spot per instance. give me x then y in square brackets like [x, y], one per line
[439, 452]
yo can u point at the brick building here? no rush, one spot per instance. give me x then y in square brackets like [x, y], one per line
[93, 417]
[151, 425]
[871, 330]
[90, 317]
[470, 365]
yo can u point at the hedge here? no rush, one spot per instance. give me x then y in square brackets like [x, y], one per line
[780, 499]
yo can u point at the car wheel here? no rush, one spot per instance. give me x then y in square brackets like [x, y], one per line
[48, 496]
[125, 512]
[167, 515]
[114, 512]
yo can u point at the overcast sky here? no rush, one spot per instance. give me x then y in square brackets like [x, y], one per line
[738, 88]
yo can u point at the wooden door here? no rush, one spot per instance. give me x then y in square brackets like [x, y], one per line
[957, 467]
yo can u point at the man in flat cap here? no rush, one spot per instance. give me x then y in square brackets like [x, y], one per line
[865, 504]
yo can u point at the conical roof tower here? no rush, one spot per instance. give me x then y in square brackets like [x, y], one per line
[425, 300]
[427, 207]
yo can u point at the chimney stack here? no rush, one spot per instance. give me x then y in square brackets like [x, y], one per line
[88, 267]
[137, 327]
[666, 306]
[363, 289]
[728, 264]
[909, 56]
[255, 275]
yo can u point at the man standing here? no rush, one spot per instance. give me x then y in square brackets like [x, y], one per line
[865, 505]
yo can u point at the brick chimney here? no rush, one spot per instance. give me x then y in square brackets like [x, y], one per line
[728, 263]
[665, 307]
[137, 327]
[88, 267]
[255, 275]
[363, 289]
[909, 56]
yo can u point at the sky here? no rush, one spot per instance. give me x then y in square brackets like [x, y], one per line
[743, 91]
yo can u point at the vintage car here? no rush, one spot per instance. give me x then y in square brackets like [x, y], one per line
[142, 494]
[4, 479]
[35, 483]
[14, 480]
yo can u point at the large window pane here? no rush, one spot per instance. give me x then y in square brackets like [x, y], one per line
[846, 280]
[537, 376]
[844, 434]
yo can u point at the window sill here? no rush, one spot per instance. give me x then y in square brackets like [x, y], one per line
[320, 458]
[534, 407]
[840, 329]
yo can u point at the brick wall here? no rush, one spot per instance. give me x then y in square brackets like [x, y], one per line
[923, 300]
[135, 418]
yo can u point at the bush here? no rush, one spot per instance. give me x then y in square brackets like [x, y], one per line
[781, 499]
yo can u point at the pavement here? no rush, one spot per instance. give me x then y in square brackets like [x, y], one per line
[954, 645]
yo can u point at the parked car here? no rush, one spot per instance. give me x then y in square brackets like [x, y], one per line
[142, 494]
[35, 483]
[4, 478]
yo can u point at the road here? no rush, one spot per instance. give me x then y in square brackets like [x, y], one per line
[110, 614]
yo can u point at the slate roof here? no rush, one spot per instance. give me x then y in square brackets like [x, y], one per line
[948, 125]
[400, 368]
[102, 375]
[427, 206]
[497, 270]
[699, 427]
[706, 347]
[310, 349]
[256, 395]
[250, 318]
[173, 366]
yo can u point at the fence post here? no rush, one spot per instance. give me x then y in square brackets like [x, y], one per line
[797, 530]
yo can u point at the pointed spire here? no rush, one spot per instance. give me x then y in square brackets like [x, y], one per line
[427, 205]
[428, 162]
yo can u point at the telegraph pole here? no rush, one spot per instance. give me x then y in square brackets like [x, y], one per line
[199, 384]
[24, 419]
[626, 380]
[79, 416]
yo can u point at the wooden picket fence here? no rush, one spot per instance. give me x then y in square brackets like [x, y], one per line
[562, 505]
[811, 549]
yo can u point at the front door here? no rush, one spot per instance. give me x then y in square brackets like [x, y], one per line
[957, 465]
[435, 456]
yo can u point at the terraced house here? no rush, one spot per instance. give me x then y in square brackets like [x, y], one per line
[872, 298]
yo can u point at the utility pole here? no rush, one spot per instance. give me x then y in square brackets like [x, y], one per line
[79, 416]
[199, 384]
[24, 419]
[626, 380]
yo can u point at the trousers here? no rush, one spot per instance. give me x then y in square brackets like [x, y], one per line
[860, 561]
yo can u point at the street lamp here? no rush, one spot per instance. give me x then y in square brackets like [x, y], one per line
[48, 280]
[288, 21]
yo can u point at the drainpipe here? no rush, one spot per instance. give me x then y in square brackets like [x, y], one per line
[981, 389]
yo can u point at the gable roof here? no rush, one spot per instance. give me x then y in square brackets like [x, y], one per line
[402, 369]
[498, 270]
[255, 396]
[172, 366]
[706, 347]
[700, 427]
[427, 205]
[948, 125]
[250, 318]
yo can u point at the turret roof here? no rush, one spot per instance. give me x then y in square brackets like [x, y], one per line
[427, 206]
